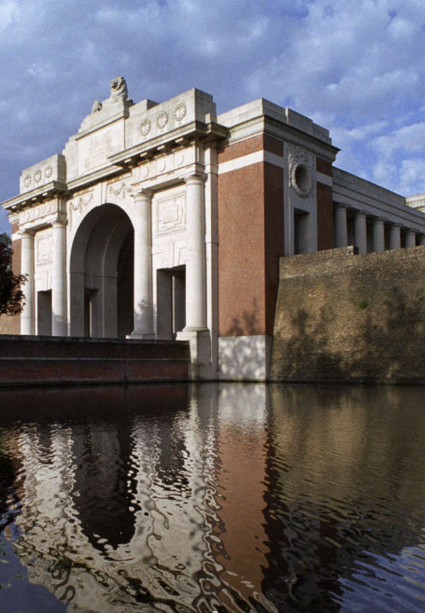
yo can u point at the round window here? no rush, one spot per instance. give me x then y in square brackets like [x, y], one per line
[301, 180]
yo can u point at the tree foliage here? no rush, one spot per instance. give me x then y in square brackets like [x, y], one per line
[12, 298]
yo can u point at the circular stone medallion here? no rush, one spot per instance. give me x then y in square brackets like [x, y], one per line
[145, 127]
[180, 111]
[162, 120]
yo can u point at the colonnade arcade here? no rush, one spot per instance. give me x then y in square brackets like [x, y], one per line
[112, 287]
[371, 233]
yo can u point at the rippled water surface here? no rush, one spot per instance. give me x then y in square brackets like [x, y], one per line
[226, 498]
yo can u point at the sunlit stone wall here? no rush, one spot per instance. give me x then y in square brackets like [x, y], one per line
[342, 316]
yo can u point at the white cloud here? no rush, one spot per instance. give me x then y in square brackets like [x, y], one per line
[412, 176]
[409, 139]
[354, 67]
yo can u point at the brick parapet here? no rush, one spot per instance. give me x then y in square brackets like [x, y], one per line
[49, 361]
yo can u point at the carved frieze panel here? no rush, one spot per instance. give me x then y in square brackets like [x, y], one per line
[38, 211]
[170, 215]
[77, 206]
[119, 190]
[167, 163]
[51, 169]
[161, 121]
[44, 247]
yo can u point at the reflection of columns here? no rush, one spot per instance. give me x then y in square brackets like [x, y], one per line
[395, 240]
[27, 268]
[143, 325]
[410, 238]
[341, 239]
[58, 281]
[378, 235]
[360, 232]
[195, 267]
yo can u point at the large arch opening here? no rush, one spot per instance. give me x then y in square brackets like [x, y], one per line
[101, 275]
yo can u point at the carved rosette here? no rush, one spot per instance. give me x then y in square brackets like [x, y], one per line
[38, 177]
[145, 127]
[162, 120]
[36, 212]
[180, 112]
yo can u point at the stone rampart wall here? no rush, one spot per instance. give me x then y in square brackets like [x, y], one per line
[347, 317]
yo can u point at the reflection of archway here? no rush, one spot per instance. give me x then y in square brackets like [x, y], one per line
[101, 274]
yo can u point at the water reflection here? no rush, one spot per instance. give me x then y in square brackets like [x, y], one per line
[233, 498]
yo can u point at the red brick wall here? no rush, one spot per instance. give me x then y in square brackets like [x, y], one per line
[325, 217]
[324, 166]
[241, 252]
[250, 145]
[250, 217]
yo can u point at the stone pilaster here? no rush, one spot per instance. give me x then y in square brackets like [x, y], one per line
[378, 235]
[143, 309]
[59, 325]
[360, 232]
[27, 268]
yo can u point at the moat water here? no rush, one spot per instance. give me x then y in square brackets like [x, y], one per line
[227, 498]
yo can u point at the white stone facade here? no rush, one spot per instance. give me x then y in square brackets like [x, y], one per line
[126, 232]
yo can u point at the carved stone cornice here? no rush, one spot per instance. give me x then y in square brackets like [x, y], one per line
[35, 196]
[193, 132]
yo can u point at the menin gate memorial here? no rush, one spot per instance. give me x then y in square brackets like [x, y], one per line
[163, 221]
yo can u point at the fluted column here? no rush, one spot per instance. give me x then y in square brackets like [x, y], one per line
[195, 266]
[378, 235]
[143, 320]
[395, 238]
[360, 232]
[59, 280]
[341, 237]
[27, 268]
[410, 238]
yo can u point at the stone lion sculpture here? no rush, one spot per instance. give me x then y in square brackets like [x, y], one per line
[119, 89]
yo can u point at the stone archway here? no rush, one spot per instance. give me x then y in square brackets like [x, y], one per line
[101, 274]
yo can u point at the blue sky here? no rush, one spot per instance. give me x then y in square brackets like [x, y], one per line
[357, 67]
